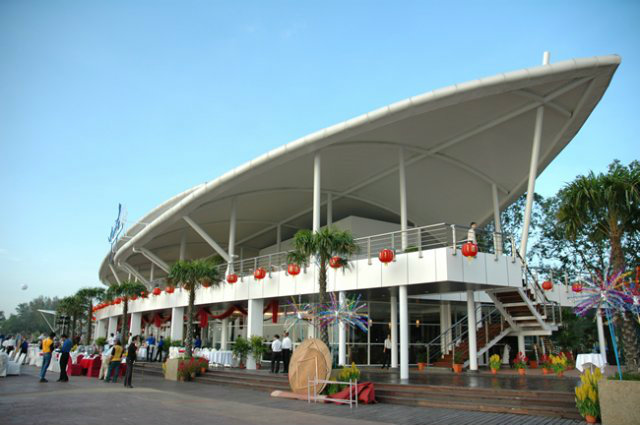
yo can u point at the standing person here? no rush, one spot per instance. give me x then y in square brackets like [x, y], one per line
[198, 342]
[159, 349]
[151, 343]
[132, 350]
[386, 351]
[471, 234]
[64, 358]
[130, 338]
[24, 349]
[114, 364]
[286, 352]
[106, 359]
[276, 354]
[111, 340]
[47, 348]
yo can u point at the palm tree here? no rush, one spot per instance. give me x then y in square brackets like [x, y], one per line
[72, 306]
[88, 295]
[322, 245]
[125, 290]
[191, 274]
[612, 202]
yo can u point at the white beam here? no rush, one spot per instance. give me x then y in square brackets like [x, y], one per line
[232, 234]
[153, 258]
[134, 272]
[403, 198]
[552, 105]
[200, 231]
[316, 192]
[114, 273]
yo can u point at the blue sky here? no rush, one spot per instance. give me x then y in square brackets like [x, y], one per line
[133, 102]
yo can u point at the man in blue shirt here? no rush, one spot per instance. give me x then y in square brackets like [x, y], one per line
[160, 349]
[151, 343]
[64, 358]
[198, 342]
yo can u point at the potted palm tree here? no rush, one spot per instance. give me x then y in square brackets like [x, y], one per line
[257, 349]
[241, 348]
[125, 291]
[89, 295]
[191, 274]
[322, 245]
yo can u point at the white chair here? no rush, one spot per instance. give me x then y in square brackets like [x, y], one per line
[3, 364]
[13, 367]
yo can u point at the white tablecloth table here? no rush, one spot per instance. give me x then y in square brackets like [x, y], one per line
[224, 358]
[591, 359]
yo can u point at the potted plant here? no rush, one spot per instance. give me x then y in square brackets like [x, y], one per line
[587, 400]
[495, 363]
[422, 360]
[520, 363]
[559, 363]
[241, 348]
[545, 362]
[203, 365]
[533, 364]
[457, 362]
[257, 349]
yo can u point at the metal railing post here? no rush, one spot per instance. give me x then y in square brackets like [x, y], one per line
[393, 241]
[453, 238]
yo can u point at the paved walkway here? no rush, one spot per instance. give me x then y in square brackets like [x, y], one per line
[154, 400]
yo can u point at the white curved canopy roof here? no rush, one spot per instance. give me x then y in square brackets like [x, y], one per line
[458, 141]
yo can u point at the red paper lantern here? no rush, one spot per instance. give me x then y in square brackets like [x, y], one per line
[206, 283]
[576, 287]
[293, 269]
[469, 249]
[144, 294]
[260, 273]
[386, 256]
[135, 297]
[335, 262]
[232, 278]
[118, 300]
[157, 291]
[169, 289]
[547, 285]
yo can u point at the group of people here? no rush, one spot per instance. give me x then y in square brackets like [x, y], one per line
[280, 351]
[112, 359]
[9, 343]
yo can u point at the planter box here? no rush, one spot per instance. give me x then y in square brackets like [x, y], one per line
[619, 401]
[171, 372]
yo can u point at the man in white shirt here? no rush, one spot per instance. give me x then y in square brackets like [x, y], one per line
[276, 354]
[471, 234]
[387, 352]
[286, 352]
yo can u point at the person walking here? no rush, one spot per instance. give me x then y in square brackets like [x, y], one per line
[106, 359]
[286, 352]
[151, 343]
[386, 351]
[65, 348]
[132, 350]
[47, 348]
[276, 354]
[159, 349]
[114, 364]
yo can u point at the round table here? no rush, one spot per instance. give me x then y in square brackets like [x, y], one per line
[221, 357]
[591, 359]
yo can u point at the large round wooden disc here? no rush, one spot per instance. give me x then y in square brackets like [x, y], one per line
[312, 358]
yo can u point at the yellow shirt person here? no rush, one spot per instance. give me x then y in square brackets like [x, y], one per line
[46, 345]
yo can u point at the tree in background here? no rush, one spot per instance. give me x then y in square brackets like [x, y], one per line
[73, 307]
[322, 245]
[125, 290]
[27, 320]
[89, 295]
[191, 274]
[606, 208]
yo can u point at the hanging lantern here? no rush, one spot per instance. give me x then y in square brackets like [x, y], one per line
[144, 294]
[547, 285]
[335, 262]
[156, 291]
[135, 297]
[118, 300]
[576, 287]
[293, 269]
[206, 283]
[469, 250]
[260, 273]
[232, 278]
[169, 289]
[386, 256]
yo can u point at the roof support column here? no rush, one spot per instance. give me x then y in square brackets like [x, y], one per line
[533, 171]
[471, 329]
[183, 246]
[393, 300]
[114, 273]
[208, 239]
[135, 273]
[403, 198]
[232, 235]
[177, 324]
[254, 325]
[153, 258]
[404, 332]
[317, 202]
[496, 219]
[329, 209]
[152, 272]
[278, 237]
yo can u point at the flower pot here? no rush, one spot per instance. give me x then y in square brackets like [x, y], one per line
[590, 419]
[494, 371]
[545, 371]
[203, 370]
[241, 366]
[457, 368]
[522, 371]
[421, 366]
[533, 364]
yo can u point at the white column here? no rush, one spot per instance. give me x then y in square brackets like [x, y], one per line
[393, 303]
[496, 218]
[152, 273]
[471, 326]
[521, 346]
[316, 193]
[533, 171]
[136, 324]
[177, 323]
[342, 336]
[101, 328]
[403, 198]
[329, 209]
[113, 326]
[404, 332]
[183, 246]
[224, 334]
[601, 339]
[254, 324]
[232, 236]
